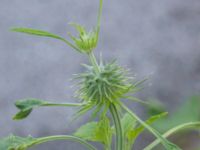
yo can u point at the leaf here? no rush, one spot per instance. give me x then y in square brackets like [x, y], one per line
[87, 131]
[16, 143]
[187, 112]
[189, 125]
[36, 32]
[96, 131]
[19, 143]
[135, 132]
[26, 107]
[44, 34]
[166, 143]
[128, 123]
[155, 107]
[104, 132]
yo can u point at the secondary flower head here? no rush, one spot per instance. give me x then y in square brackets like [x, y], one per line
[86, 41]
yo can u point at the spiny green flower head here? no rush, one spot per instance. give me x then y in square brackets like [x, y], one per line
[108, 84]
[86, 41]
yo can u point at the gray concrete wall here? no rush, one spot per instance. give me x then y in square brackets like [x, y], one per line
[159, 39]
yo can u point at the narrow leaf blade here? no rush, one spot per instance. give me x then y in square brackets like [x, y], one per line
[135, 132]
[36, 32]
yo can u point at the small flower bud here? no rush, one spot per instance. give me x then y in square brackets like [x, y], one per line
[86, 41]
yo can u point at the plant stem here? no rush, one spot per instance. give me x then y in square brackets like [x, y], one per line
[64, 137]
[113, 110]
[168, 145]
[99, 17]
[93, 61]
[63, 104]
[70, 44]
[172, 131]
[107, 147]
[118, 128]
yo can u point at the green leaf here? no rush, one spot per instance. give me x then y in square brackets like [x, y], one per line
[128, 123]
[16, 143]
[186, 112]
[96, 131]
[27, 105]
[87, 131]
[189, 125]
[44, 34]
[19, 143]
[155, 107]
[167, 144]
[133, 134]
[36, 32]
[130, 130]
[104, 132]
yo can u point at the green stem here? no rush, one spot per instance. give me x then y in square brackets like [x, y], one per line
[93, 61]
[112, 107]
[134, 99]
[172, 131]
[118, 128]
[70, 44]
[99, 16]
[63, 104]
[168, 145]
[107, 147]
[64, 137]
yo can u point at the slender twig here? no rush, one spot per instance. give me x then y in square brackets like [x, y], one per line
[64, 137]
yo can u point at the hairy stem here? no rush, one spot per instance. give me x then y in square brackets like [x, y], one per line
[118, 128]
[64, 137]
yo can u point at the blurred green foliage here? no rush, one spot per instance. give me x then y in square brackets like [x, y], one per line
[189, 111]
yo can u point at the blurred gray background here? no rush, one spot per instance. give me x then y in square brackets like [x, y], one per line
[159, 39]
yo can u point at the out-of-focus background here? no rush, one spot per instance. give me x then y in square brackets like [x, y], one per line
[155, 39]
